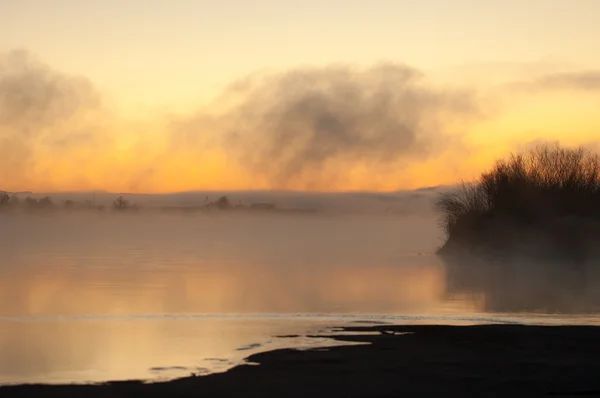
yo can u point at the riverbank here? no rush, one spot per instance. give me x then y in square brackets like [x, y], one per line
[487, 360]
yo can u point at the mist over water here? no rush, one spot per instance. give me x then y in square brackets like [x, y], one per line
[138, 264]
[90, 297]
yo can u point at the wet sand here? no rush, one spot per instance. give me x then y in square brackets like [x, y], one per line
[487, 360]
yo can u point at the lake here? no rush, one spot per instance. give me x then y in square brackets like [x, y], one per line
[93, 297]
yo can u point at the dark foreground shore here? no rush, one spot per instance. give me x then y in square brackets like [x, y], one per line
[489, 360]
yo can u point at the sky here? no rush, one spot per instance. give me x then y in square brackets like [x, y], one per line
[163, 96]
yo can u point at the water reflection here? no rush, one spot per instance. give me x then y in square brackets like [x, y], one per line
[525, 285]
[97, 297]
[252, 287]
[91, 298]
[92, 350]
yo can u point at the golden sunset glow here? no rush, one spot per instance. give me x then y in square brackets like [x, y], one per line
[154, 98]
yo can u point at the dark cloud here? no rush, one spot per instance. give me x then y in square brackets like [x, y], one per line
[33, 96]
[39, 107]
[291, 126]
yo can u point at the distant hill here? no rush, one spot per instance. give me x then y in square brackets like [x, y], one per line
[17, 193]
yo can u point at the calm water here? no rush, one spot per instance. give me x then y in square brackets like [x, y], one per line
[97, 297]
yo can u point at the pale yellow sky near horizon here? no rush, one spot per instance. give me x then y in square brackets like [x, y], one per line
[155, 61]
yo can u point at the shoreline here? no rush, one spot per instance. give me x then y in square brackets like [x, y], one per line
[413, 360]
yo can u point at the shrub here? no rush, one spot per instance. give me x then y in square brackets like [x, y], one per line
[45, 202]
[468, 202]
[4, 199]
[121, 203]
[223, 203]
[544, 183]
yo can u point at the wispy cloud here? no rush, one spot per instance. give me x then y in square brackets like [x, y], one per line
[292, 126]
[41, 109]
[588, 80]
[305, 128]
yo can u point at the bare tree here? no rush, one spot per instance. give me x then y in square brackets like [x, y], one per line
[121, 203]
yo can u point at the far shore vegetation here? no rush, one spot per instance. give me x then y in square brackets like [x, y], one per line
[543, 202]
[29, 203]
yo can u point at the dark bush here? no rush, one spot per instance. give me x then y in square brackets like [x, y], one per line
[120, 203]
[223, 203]
[4, 199]
[544, 184]
[45, 202]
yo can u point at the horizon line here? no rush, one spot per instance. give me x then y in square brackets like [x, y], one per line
[225, 191]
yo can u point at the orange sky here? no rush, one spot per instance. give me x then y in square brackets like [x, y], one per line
[309, 96]
[148, 161]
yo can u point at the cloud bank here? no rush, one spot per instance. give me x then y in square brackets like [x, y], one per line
[321, 128]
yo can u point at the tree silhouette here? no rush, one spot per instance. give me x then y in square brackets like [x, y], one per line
[46, 202]
[120, 203]
[543, 183]
[223, 203]
[4, 199]
[31, 202]
[543, 202]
